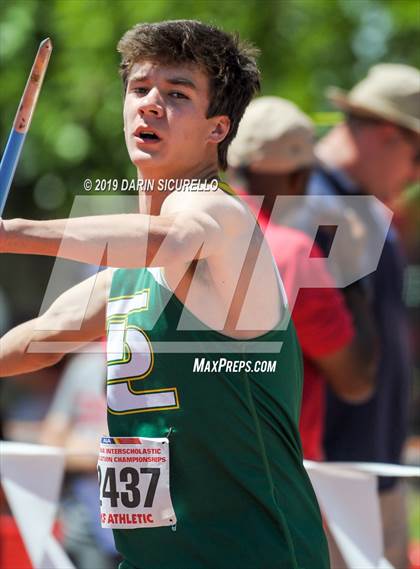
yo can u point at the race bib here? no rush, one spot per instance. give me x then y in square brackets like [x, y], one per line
[133, 477]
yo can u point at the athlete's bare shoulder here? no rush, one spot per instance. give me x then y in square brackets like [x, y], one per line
[226, 209]
[231, 274]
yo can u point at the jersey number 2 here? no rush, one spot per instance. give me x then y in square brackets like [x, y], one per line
[130, 357]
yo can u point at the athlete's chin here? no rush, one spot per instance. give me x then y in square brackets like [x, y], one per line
[141, 158]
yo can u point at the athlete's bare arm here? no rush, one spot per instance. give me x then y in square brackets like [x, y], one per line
[189, 226]
[69, 319]
[120, 240]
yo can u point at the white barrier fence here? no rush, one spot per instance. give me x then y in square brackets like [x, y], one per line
[347, 494]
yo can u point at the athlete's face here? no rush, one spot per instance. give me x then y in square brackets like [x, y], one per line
[166, 129]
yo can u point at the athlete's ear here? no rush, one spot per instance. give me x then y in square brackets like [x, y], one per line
[219, 129]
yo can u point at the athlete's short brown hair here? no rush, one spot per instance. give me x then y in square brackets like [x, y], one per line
[228, 62]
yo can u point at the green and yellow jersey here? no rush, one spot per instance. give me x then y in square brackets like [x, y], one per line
[239, 489]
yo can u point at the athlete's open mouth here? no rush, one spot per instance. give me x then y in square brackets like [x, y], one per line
[147, 135]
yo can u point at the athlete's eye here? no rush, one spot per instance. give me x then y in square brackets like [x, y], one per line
[140, 90]
[177, 95]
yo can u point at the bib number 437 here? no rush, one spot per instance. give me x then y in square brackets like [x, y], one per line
[134, 483]
[130, 477]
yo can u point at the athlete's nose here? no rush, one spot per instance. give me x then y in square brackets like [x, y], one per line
[151, 104]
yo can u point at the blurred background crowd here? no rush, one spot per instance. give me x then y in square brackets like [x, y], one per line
[306, 46]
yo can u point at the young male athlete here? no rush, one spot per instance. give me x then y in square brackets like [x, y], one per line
[194, 313]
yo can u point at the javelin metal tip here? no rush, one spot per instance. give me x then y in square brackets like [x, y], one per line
[46, 43]
[23, 119]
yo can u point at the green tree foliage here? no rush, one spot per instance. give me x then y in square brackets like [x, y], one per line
[77, 127]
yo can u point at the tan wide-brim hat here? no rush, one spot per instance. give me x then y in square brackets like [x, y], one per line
[390, 91]
[274, 136]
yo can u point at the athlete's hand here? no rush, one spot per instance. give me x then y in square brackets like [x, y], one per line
[4, 236]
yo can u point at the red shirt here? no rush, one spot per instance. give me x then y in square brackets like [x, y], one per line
[322, 320]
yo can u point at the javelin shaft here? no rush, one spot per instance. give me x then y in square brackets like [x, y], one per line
[23, 120]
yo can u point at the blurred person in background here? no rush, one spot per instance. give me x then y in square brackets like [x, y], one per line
[376, 150]
[25, 403]
[271, 156]
[407, 216]
[75, 421]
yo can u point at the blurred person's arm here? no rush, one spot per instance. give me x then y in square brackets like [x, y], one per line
[76, 418]
[25, 402]
[67, 320]
[351, 370]
[81, 452]
[335, 326]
